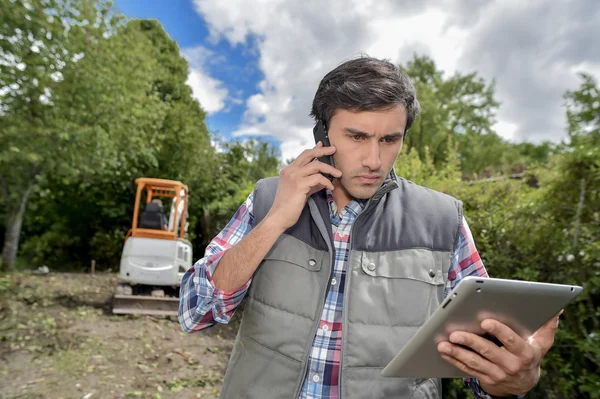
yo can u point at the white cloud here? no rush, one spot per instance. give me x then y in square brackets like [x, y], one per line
[506, 130]
[531, 49]
[299, 42]
[429, 34]
[207, 90]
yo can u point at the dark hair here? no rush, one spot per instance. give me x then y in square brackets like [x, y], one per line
[365, 84]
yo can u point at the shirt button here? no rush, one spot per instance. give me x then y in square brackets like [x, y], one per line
[316, 378]
[312, 262]
[371, 266]
[325, 327]
[431, 273]
[333, 281]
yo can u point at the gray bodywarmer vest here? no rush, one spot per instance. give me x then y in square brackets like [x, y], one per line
[401, 249]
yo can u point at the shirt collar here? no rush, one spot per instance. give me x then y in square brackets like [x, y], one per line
[356, 206]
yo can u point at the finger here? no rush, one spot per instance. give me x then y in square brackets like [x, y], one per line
[318, 182]
[464, 368]
[471, 363]
[316, 152]
[317, 166]
[505, 360]
[511, 340]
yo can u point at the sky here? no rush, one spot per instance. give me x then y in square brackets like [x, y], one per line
[255, 64]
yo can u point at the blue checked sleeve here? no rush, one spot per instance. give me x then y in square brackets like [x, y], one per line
[467, 262]
[201, 304]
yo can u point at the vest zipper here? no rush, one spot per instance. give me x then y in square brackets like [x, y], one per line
[331, 245]
[384, 189]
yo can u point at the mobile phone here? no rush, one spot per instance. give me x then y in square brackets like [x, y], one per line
[321, 134]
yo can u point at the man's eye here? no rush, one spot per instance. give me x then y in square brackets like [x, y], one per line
[358, 137]
[390, 140]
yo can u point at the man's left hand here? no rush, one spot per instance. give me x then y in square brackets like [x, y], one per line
[513, 369]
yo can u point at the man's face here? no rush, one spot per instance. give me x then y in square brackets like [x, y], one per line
[367, 144]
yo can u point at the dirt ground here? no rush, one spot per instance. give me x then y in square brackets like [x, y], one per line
[59, 339]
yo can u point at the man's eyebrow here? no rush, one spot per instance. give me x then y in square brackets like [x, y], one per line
[357, 132]
[393, 135]
[361, 133]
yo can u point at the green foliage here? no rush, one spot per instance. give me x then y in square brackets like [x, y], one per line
[119, 109]
[462, 108]
[61, 117]
[241, 165]
[458, 105]
[90, 101]
[550, 233]
[424, 171]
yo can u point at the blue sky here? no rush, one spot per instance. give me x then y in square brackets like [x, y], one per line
[235, 67]
[255, 64]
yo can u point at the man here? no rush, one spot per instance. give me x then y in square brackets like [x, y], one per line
[153, 216]
[163, 218]
[340, 274]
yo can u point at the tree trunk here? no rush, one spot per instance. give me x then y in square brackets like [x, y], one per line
[14, 220]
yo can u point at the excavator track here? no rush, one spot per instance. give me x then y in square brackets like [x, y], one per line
[125, 301]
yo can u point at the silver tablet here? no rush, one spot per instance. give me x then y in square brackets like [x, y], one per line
[522, 305]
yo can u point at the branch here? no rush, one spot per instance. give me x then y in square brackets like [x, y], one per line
[25, 198]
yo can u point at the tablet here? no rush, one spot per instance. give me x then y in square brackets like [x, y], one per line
[522, 305]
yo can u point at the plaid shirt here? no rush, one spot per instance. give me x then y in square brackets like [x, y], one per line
[203, 305]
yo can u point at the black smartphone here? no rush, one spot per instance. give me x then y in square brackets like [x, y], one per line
[321, 134]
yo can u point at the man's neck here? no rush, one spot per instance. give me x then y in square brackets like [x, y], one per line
[340, 196]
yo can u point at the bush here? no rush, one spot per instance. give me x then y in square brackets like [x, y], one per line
[549, 234]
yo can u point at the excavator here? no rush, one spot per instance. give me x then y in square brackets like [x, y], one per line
[156, 252]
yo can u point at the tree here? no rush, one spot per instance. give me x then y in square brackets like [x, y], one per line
[174, 144]
[552, 234]
[462, 108]
[62, 68]
[75, 217]
[460, 104]
[239, 166]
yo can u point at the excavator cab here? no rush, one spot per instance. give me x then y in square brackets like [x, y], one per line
[153, 216]
[156, 252]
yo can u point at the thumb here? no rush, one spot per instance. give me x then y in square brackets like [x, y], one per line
[543, 338]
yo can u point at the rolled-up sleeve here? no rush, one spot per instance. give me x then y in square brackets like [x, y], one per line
[467, 262]
[201, 304]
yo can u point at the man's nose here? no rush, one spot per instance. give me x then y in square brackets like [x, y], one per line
[372, 159]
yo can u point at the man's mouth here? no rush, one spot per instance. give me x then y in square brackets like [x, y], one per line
[368, 179]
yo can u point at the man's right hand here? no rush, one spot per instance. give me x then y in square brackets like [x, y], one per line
[298, 181]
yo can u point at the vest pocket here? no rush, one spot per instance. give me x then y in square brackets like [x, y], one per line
[414, 264]
[290, 278]
[260, 373]
[429, 388]
[396, 288]
[293, 251]
[368, 383]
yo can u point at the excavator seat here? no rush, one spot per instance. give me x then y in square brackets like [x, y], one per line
[152, 217]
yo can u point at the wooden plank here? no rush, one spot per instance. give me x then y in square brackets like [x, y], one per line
[149, 312]
[147, 305]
